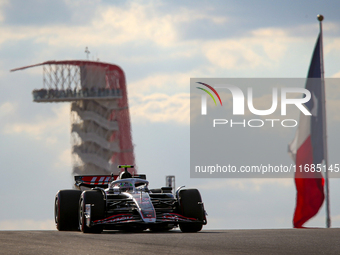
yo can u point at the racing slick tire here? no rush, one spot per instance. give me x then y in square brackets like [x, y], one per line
[96, 199]
[66, 210]
[191, 207]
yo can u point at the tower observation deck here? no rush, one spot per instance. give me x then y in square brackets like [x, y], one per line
[100, 120]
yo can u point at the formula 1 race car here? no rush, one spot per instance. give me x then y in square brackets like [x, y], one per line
[126, 203]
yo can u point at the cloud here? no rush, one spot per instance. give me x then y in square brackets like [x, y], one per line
[263, 47]
[260, 48]
[161, 108]
[27, 224]
[110, 26]
[136, 22]
[333, 107]
[35, 12]
[40, 128]
[232, 54]
[3, 4]
[7, 109]
[142, 25]
[64, 160]
[332, 99]
[332, 45]
[336, 75]
[170, 82]
[113, 25]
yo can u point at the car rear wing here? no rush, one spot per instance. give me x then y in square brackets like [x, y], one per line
[102, 181]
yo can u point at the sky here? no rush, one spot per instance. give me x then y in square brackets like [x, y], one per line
[160, 45]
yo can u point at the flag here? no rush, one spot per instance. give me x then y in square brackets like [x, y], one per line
[307, 147]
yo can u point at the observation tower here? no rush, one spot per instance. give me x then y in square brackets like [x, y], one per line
[100, 121]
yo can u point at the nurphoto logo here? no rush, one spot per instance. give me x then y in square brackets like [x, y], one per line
[238, 105]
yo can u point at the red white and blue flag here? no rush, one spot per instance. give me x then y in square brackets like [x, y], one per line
[307, 147]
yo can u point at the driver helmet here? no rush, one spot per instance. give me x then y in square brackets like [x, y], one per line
[125, 175]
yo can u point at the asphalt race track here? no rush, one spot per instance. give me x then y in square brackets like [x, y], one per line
[276, 241]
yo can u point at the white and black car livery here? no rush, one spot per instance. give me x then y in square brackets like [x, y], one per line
[125, 202]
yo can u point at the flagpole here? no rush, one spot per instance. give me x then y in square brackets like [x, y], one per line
[323, 91]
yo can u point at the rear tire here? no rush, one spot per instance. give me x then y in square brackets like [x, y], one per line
[191, 207]
[95, 198]
[66, 210]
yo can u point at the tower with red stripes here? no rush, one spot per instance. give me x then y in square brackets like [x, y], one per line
[100, 128]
